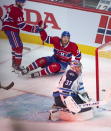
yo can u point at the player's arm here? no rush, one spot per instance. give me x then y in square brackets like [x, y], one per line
[46, 38]
[26, 27]
[43, 34]
[76, 52]
[82, 92]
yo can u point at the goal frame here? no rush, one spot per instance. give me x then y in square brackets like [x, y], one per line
[97, 69]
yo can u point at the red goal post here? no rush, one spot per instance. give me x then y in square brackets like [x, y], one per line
[103, 69]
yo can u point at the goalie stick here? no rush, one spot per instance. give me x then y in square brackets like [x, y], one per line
[91, 103]
[105, 101]
[8, 86]
[83, 106]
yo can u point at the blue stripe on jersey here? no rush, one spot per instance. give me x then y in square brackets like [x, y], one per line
[81, 88]
[18, 55]
[80, 83]
[35, 66]
[48, 72]
[59, 93]
[64, 89]
[21, 25]
[79, 55]
[48, 39]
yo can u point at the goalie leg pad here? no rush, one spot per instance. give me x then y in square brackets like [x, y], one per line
[64, 115]
[72, 105]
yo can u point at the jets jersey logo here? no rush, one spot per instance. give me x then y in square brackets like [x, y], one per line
[71, 74]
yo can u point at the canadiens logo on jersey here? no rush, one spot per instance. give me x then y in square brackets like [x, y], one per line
[62, 54]
[104, 30]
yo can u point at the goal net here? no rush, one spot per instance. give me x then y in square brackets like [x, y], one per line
[103, 70]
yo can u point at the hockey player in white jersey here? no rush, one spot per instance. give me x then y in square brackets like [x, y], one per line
[70, 92]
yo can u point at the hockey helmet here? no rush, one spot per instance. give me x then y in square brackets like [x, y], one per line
[76, 63]
[65, 33]
[21, 1]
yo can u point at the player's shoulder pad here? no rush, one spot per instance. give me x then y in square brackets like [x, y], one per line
[71, 74]
[73, 43]
[56, 37]
[8, 8]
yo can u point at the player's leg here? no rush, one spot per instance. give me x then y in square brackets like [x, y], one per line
[54, 66]
[63, 66]
[17, 48]
[13, 57]
[56, 107]
[60, 111]
[51, 69]
[57, 100]
[13, 47]
[41, 62]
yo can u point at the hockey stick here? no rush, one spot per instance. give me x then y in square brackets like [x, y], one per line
[92, 104]
[27, 48]
[105, 101]
[105, 109]
[83, 106]
[7, 87]
[98, 103]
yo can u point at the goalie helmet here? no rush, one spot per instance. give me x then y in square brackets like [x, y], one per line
[21, 1]
[76, 66]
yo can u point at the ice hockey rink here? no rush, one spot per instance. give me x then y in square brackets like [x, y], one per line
[25, 106]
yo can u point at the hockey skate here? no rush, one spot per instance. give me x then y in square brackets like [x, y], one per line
[35, 74]
[17, 69]
[24, 71]
[55, 112]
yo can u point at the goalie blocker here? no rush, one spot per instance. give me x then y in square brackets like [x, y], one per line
[69, 94]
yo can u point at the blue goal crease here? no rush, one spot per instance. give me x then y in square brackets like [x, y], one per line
[24, 106]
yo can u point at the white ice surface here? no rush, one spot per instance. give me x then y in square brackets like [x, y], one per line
[45, 86]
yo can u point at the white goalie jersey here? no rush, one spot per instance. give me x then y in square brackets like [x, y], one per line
[71, 82]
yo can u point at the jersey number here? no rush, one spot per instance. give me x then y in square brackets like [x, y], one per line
[68, 82]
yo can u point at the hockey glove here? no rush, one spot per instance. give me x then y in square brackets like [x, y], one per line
[84, 96]
[42, 25]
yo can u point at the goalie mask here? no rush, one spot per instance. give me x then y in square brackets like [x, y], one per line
[76, 66]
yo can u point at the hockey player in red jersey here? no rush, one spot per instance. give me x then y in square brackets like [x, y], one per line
[12, 23]
[58, 62]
